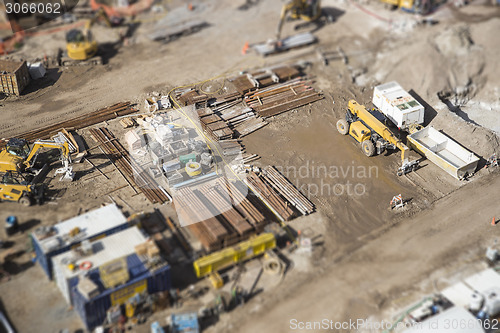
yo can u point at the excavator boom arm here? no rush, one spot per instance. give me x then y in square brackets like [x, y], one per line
[47, 144]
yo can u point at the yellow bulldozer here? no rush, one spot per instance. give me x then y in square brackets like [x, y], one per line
[306, 10]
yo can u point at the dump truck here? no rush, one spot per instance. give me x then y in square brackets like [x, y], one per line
[367, 128]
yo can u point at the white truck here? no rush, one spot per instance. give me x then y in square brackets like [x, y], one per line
[398, 105]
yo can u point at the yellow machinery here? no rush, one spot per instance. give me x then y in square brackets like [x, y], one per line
[413, 6]
[17, 156]
[373, 135]
[14, 188]
[306, 10]
[228, 257]
[81, 47]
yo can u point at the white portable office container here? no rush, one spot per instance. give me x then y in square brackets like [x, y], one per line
[398, 105]
[104, 250]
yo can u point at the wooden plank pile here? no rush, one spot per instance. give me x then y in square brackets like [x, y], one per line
[270, 197]
[216, 127]
[14, 77]
[191, 96]
[288, 191]
[282, 97]
[223, 208]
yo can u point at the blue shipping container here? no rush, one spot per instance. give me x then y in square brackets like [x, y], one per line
[93, 311]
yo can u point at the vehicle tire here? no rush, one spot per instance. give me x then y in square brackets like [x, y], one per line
[342, 127]
[368, 148]
[25, 201]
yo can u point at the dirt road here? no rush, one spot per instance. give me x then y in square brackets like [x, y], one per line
[383, 269]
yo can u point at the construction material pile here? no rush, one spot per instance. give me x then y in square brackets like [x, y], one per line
[105, 114]
[218, 214]
[282, 97]
[127, 167]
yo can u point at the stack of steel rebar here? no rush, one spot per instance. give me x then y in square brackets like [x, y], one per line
[288, 191]
[108, 113]
[270, 197]
[192, 212]
[282, 97]
[129, 169]
[218, 198]
[238, 193]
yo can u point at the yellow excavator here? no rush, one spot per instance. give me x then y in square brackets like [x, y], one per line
[306, 10]
[17, 157]
[81, 47]
[369, 130]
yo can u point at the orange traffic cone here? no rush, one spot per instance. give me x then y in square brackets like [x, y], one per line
[190, 6]
[245, 48]
[493, 221]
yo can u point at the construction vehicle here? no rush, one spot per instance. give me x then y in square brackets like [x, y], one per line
[18, 157]
[413, 6]
[373, 135]
[14, 188]
[81, 47]
[404, 111]
[306, 10]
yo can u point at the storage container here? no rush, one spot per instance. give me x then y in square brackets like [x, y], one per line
[49, 242]
[398, 105]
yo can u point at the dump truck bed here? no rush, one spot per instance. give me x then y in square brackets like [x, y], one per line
[444, 152]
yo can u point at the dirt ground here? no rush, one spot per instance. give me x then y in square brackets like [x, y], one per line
[368, 256]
